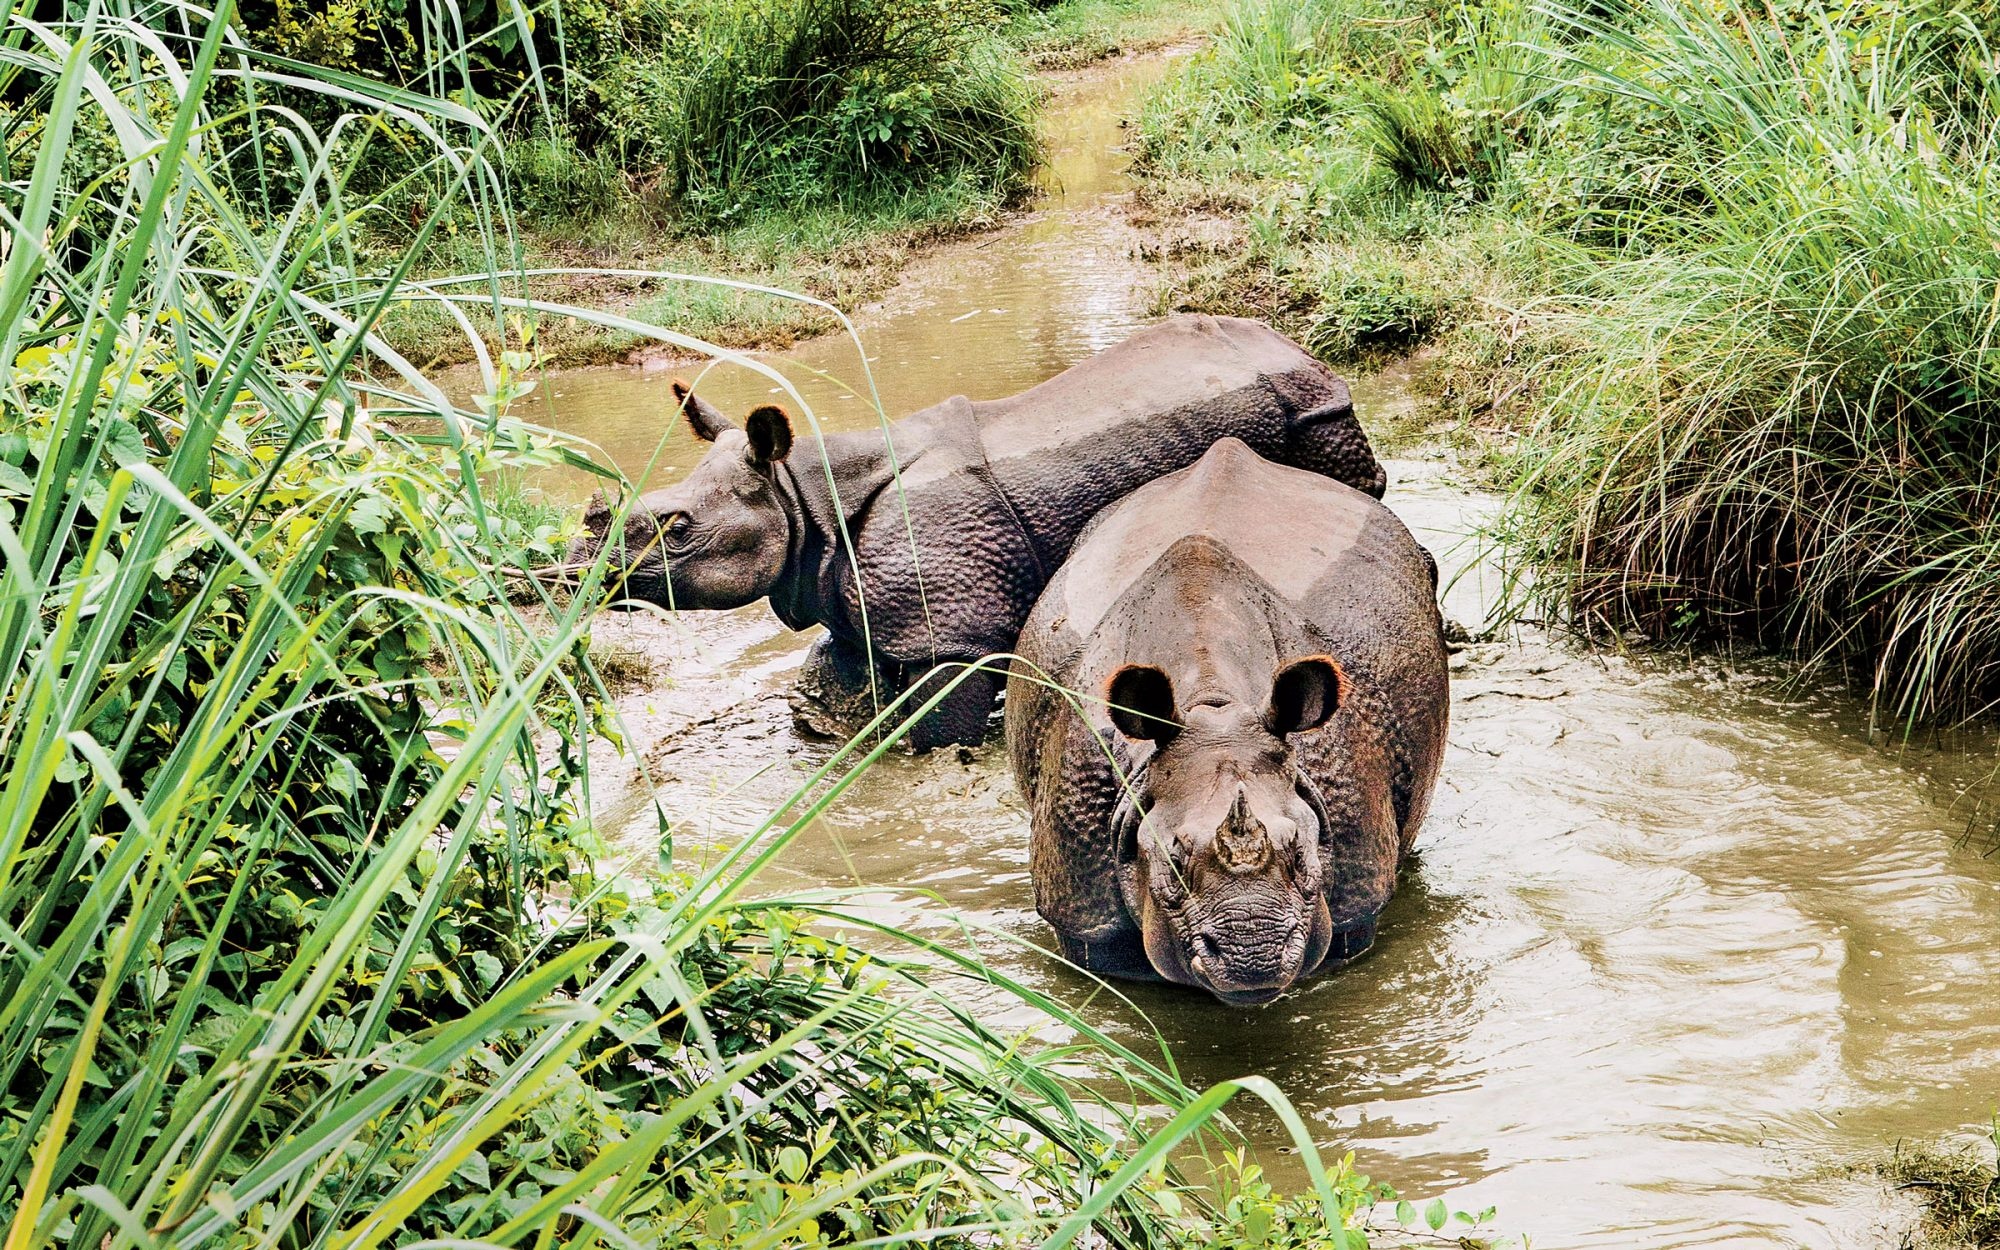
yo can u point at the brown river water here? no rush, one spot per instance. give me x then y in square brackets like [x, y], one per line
[1681, 953]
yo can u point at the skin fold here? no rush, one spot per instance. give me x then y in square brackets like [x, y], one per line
[936, 553]
[1230, 810]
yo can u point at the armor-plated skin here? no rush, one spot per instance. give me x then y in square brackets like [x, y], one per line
[992, 494]
[1265, 666]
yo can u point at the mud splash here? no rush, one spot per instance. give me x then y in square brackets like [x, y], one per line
[1679, 951]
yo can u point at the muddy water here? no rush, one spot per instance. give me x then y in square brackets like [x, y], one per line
[985, 319]
[1679, 951]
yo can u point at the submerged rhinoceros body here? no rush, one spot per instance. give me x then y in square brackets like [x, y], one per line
[1271, 654]
[991, 496]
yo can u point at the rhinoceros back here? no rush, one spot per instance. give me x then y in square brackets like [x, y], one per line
[1155, 403]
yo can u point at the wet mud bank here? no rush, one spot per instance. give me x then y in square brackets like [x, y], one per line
[1681, 954]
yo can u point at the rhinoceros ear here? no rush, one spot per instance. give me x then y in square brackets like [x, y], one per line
[597, 511]
[704, 418]
[770, 432]
[1142, 703]
[1305, 694]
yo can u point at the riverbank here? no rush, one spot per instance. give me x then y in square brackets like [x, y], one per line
[1259, 194]
[1730, 365]
[847, 254]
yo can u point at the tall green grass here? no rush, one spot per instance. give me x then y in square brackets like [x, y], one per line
[1778, 419]
[305, 935]
[789, 101]
[1729, 268]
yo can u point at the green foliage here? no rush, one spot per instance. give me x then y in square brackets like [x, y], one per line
[721, 109]
[1266, 55]
[788, 101]
[1355, 140]
[1064, 34]
[555, 178]
[1775, 427]
[1738, 261]
[1958, 1186]
[1374, 307]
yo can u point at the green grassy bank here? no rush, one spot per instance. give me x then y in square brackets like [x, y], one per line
[307, 936]
[808, 145]
[1721, 282]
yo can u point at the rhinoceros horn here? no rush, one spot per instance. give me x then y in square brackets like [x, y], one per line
[1242, 845]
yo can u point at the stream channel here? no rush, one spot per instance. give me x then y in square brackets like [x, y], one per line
[1681, 954]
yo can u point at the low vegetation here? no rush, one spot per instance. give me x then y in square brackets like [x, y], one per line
[1069, 34]
[1725, 275]
[1269, 189]
[306, 935]
[805, 145]
[1959, 1187]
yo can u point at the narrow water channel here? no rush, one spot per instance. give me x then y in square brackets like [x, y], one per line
[1681, 953]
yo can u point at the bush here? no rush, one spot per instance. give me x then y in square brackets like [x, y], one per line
[723, 109]
[788, 101]
[1779, 429]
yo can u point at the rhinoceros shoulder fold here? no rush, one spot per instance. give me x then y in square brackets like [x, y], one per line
[1287, 526]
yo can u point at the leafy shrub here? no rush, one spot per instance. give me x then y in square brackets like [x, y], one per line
[790, 100]
[722, 108]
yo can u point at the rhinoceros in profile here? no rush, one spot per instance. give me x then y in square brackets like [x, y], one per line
[1260, 666]
[929, 546]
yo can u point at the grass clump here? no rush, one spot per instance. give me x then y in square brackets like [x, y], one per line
[1959, 1188]
[1778, 426]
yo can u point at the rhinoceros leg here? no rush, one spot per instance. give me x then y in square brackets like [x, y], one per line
[962, 718]
[833, 697]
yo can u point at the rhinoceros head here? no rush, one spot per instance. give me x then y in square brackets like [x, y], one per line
[1223, 871]
[719, 537]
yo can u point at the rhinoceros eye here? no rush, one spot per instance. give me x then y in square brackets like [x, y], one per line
[676, 528]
